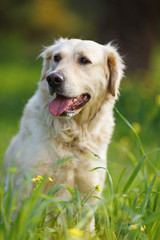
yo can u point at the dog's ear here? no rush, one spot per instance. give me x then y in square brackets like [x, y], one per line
[115, 69]
[46, 55]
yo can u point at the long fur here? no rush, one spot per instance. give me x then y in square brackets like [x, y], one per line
[43, 139]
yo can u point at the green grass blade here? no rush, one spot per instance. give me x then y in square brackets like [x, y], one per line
[83, 221]
[77, 197]
[155, 203]
[69, 216]
[134, 174]
[134, 205]
[138, 140]
[152, 217]
[9, 195]
[110, 184]
[98, 168]
[63, 160]
[151, 163]
[55, 189]
[157, 232]
[70, 190]
[119, 179]
[147, 195]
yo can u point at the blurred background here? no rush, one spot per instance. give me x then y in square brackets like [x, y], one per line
[133, 26]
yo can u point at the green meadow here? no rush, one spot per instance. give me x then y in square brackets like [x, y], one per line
[129, 208]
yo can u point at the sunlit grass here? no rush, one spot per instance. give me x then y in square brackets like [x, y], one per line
[129, 208]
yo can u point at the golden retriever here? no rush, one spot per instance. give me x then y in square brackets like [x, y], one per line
[70, 114]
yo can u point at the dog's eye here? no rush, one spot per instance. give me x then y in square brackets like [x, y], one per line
[57, 58]
[84, 60]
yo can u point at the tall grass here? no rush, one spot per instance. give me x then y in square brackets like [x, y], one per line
[128, 209]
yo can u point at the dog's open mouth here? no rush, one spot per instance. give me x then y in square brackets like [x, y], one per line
[64, 106]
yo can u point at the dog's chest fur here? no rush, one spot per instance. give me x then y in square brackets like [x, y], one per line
[85, 145]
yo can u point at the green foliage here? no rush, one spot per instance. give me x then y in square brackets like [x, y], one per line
[128, 209]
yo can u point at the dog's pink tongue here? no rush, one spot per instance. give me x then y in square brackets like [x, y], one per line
[59, 105]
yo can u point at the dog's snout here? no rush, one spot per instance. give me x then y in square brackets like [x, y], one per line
[55, 79]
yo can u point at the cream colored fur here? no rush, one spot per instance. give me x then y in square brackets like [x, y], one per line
[43, 139]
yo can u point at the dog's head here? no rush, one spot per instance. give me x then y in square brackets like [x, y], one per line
[80, 73]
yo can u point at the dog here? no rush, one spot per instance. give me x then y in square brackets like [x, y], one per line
[70, 114]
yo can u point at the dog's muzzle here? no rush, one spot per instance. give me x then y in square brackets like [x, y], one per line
[63, 105]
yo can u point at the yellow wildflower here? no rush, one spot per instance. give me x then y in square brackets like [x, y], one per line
[34, 179]
[37, 179]
[50, 179]
[143, 228]
[97, 188]
[133, 227]
[74, 232]
[158, 99]
[136, 126]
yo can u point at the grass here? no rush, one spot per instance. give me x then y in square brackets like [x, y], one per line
[129, 209]
[130, 206]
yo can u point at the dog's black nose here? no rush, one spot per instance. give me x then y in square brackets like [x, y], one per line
[55, 79]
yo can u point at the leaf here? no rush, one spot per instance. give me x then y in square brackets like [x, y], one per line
[110, 183]
[70, 190]
[55, 189]
[134, 205]
[77, 197]
[69, 215]
[134, 174]
[85, 218]
[63, 160]
[155, 203]
[98, 168]
[139, 143]
[152, 217]
[157, 232]
[97, 197]
[146, 197]
[92, 156]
